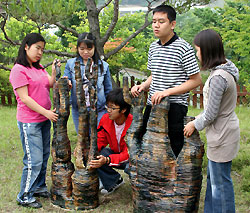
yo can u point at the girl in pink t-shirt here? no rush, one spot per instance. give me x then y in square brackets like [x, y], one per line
[31, 84]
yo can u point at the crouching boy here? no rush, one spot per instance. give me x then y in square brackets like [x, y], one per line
[111, 132]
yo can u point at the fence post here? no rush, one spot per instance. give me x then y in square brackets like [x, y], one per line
[195, 99]
[201, 96]
[132, 81]
[9, 97]
[244, 94]
[3, 101]
[117, 80]
[238, 94]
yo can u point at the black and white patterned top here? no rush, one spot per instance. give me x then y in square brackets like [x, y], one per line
[171, 65]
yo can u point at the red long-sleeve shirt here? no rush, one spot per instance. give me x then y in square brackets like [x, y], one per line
[107, 136]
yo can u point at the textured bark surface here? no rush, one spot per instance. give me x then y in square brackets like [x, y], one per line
[92, 76]
[82, 146]
[62, 167]
[85, 189]
[75, 189]
[160, 181]
[85, 180]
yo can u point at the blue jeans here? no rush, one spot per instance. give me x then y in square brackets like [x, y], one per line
[75, 116]
[35, 139]
[107, 174]
[220, 193]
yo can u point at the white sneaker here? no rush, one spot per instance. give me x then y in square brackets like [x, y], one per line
[116, 186]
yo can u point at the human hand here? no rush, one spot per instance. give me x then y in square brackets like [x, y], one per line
[158, 96]
[101, 160]
[51, 115]
[189, 129]
[56, 62]
[70, 84]
[135, 90]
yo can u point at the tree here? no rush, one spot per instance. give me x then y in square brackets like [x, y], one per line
[235, 32]
[41, 14]
[231, 22]
[73, 20]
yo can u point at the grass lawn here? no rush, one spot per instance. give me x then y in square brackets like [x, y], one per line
[121, 200]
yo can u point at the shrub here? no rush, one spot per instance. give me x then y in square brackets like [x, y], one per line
[5, 86]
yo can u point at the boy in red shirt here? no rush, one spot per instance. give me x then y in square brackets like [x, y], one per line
[111, 131]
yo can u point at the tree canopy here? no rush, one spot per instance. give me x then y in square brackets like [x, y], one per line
[122, 40]
[231, 22]
[24, 16]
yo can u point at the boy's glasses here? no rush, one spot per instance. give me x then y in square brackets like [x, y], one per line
[111, 108]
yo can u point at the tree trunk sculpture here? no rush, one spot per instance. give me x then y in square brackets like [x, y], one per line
[62, 167]
[85, 180]
[160, 181]
[75, 189]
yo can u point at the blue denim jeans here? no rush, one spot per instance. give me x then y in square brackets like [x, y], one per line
[220, 193]
[107, 174]
[35, 138]
[75, 116]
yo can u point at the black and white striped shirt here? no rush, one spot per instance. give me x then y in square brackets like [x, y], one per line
[171, 65]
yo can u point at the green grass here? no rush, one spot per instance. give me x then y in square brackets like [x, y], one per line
[120, 201]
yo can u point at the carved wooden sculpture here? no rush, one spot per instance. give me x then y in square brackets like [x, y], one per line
[80, 190]
[160, 181]
[62, 167]
[85, 180]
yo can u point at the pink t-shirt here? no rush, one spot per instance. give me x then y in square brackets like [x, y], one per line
[38, 89]
[118, 130]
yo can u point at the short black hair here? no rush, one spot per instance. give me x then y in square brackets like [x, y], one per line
[29, 39]
[115, 96]
[90, 40]
[211, 48]
[170, 11]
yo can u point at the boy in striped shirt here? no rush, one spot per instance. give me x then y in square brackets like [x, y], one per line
[174, 72]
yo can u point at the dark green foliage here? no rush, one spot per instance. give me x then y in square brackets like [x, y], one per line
[231, 22]
[5, 86]
[73, 20]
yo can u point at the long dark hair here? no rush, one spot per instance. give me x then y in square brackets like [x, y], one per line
[90, 41]
[29, 39]
[211, 48]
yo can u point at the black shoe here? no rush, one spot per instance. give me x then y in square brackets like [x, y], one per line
[35, 205]
[116, 186]
[42, 194]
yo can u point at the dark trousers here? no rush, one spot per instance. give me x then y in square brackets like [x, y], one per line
[107, 174]
[176, 115]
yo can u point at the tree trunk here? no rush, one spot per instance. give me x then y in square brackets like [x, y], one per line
[80, 190]
[85, 179]
[62, 167]
[93, 18]
[160, 181]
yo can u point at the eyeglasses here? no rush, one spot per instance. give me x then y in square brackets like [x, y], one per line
[111, 108]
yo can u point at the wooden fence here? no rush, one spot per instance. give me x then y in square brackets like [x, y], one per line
[196, 96]
[195, 99]
[8, 99]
